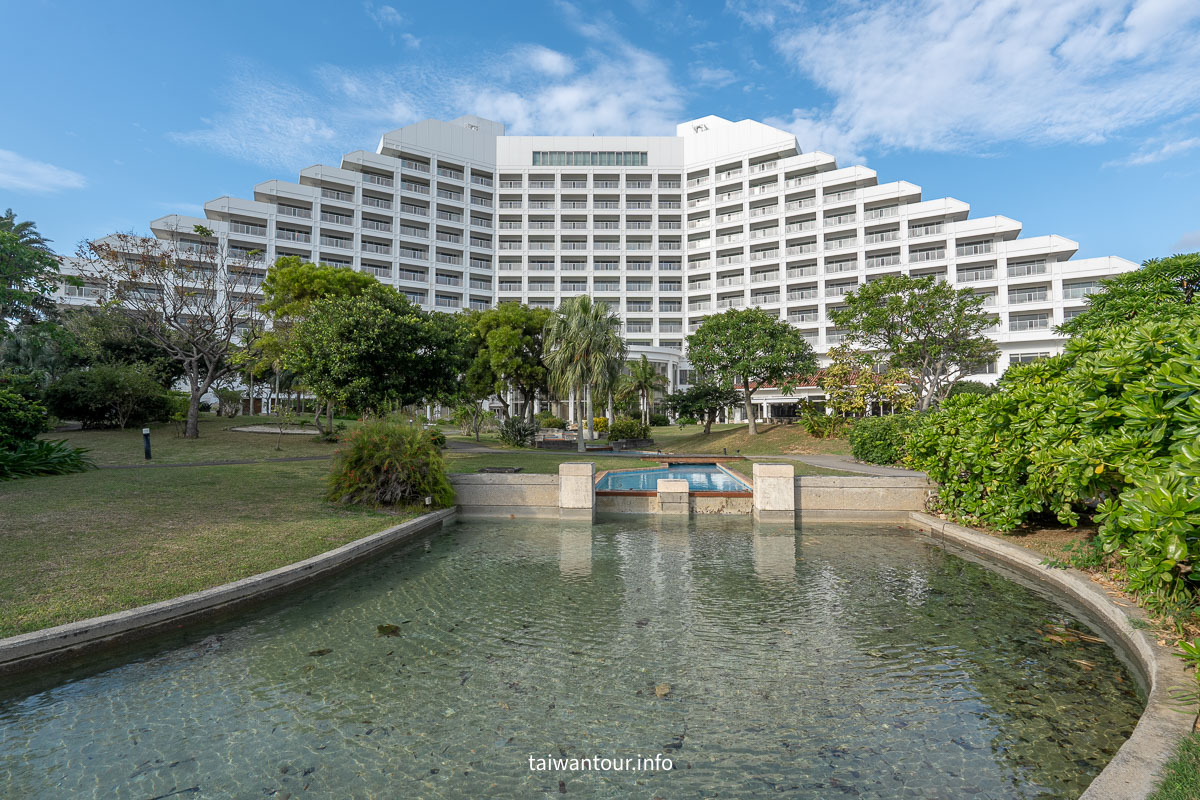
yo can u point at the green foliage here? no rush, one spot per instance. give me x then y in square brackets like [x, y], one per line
[820, 425]
[1114, 420]
[107, 396]
[972, 387]
[105, 336]
[1163, 289]
[583, 350]
[880, 440]
[370, 351]
[438, 437]
[929, 330]
[518, 432]
[642, 381]
[229, 402]
[471, 417]
[626, 428]
[852, 386]
[293, 285]
[658, 420]
[30, 458]
[749, 348]
[703, 400]
[548, 420]
[21, 419]
[29, 273]
[388, 463]
[688, 421]
[600, 424]
[505, 346]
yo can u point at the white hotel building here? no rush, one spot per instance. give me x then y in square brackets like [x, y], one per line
[666, 229]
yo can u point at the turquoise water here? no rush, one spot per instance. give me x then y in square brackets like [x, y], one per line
[840, 662]
[700, 478]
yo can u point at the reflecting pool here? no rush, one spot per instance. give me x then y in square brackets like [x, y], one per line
[849, 661]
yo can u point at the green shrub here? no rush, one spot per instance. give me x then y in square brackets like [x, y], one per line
[20, 419]
[659, 420]
[389, 463]
[438, 438]
[546, 420]
[1112, 423]
[972, 387]
[600, 424]
[516, 432]
[27, 459]
[107, 395]
[880, 440]
[820, 425]
[626, 428]
[688, 421]
[229, 402]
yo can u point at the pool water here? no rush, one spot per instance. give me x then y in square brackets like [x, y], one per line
[700, 478]
[838, 662]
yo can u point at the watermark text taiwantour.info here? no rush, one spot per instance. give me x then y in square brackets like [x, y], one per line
[656, 763]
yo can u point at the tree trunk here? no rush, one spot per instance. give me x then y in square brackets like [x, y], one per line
[709, 419]
[317, 417]
[750, 410]
[580, 404]
[590, 411]
[612, 412]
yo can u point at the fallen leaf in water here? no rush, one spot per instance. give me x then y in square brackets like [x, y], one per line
[324, 651]
[662, 689]
[1087, 665]
[387, 630]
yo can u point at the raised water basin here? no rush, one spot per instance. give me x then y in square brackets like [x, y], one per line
[700, 478]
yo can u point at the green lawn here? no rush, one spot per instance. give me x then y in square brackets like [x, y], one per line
[770, 440]
[75, 546]
[216, 443]
[1181, 778]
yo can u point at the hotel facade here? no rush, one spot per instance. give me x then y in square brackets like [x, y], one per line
[665, 229]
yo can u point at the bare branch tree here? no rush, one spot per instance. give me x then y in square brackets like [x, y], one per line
[190, 297]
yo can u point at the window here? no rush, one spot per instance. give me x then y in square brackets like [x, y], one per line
[583, 158]
[1025, 358]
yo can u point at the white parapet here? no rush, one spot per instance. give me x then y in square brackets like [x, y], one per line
[577, 490]
[774, 492]
[673, 496]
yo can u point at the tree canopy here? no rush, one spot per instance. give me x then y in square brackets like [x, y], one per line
[748, 347]
[29, 273]
[584, 350]
[704, 401]
[372, 350]
[507, 345]
[1163, 289]
[920, 325]
[292, 285]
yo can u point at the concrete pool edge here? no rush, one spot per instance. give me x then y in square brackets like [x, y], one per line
[29, 651]
[1134, 772]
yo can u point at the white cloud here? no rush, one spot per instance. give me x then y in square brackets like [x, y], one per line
[21, 174]
[1189, 242]
[763, 13]
[955, 74]
[388, 17]
[715, 77]
[611, 87]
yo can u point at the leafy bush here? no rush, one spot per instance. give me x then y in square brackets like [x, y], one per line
[626, 428]
[550, 421]
[438, 438]
[108, 395]
[1113, 422]
[389, 463]
[880, 440]
[229, 402]
[823, 426]
[688, 421]
[27, 459]
[972, 387]
[516, 432]
[659, 420]
[600, 424]
[20, 419]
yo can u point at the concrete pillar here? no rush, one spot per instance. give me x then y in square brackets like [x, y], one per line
[775, 492]
[673, 496]
[577, 490]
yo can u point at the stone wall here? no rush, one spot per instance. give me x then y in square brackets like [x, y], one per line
[507, 495]
[860, 497]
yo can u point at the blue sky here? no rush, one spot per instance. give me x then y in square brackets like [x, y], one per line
[1077, 117]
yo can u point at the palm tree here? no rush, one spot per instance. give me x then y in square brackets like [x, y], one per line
[583, 350]
[26, 232]
[643, 380]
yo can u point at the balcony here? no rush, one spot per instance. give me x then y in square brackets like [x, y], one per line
[294, 211]
[800, 227]
[975, 275]
[764, 211]
[482, 202]
[802, 272]
[1017, 296]
[416, 211]
[801, 249]
[406, 230]
[1021, 269]
[703, 179]
[842, 243]
[736, 280]
[293, 236]
[1029, 322]
[976, 249]
[765, 166]
[372, 247]
[479, 180]
[881, 236]
[378, 180]
[764, 233]
[449, 258]
[338, 243]
[881, 213]
[841, 219]
[415, 166]
[762, 255]
[415, 188]
[247, 230]
[446, 194]
[376, 202]
[452, 174]
[919, 256]
[731, 302]
[874, 262]
[335, 194]
[762, 299]
[764, 188]
[449, 280]
[796, 205]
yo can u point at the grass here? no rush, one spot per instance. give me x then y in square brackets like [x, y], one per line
[1181, 776]
[771, 440]
[75, 546]
[216, 443]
